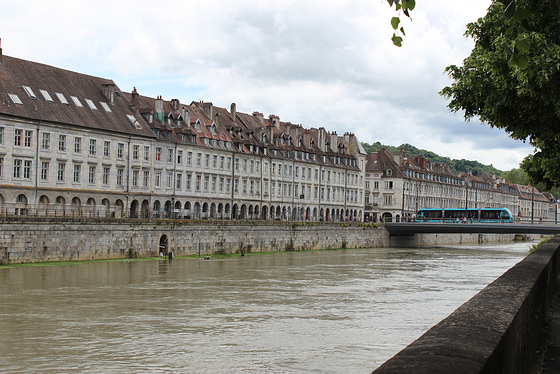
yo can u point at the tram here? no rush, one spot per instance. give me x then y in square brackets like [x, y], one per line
[497, 215]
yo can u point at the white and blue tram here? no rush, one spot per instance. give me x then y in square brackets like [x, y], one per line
[470, 215]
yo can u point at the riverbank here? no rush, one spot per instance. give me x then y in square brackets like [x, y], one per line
[53, 240]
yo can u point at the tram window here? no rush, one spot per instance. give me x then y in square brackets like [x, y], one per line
[432, 214]
[472, 214]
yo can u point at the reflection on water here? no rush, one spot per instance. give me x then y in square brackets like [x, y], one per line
[310, 312]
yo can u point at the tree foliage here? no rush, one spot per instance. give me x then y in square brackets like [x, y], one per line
[517, 176]
[511, 80]
[402, 7]
[520, 176]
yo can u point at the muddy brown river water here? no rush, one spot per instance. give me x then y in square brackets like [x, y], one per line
[343, 311]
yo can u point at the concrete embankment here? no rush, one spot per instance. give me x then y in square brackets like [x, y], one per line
[497, 331]
[42, 240]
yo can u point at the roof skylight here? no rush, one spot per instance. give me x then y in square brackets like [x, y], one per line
[62, 98]
[46, 95]
[134, 121]
[76, 101]
[29, 92]
[91, 104]
[105, 106]
[15, 98]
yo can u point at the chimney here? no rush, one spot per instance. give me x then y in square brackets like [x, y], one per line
[334, 142]
[134, 100]
[0, 50]
[217, 122]
[109, 92]
[270, 134]
[307, 139]
[183, 113]
[233, 111]
[160, 115]
[275, 120]
[288, 131]
[322, 138]
[187, 118]
[175, 104]
[208, 109]
[258, 115]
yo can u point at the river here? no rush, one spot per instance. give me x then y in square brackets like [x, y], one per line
[288, 312]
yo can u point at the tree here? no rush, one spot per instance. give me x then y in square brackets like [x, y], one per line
[458, 166]
[401, 7]
[516, 176]
[511, 80]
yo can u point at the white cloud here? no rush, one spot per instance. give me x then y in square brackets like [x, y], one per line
[318, 63]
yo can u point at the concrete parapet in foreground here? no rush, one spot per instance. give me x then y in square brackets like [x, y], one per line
[497, 331]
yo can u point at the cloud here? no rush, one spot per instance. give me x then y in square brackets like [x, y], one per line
[319, 63]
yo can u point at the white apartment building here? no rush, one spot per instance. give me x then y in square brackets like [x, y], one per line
[76, 145]
[398, 185]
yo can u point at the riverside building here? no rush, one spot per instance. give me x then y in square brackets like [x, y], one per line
[77, 145]
[398, 185]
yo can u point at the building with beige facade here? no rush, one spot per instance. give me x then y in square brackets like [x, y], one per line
[77, 145]
[398, 185]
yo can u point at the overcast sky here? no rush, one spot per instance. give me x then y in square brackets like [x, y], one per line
[322, 63]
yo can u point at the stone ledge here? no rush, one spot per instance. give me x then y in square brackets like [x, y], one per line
[497, 331]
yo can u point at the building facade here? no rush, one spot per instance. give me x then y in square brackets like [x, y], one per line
[77, 145]
[398, 185]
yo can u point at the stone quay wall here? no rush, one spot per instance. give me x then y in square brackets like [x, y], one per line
[497, 331]
[62, 240]
[44, 240]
